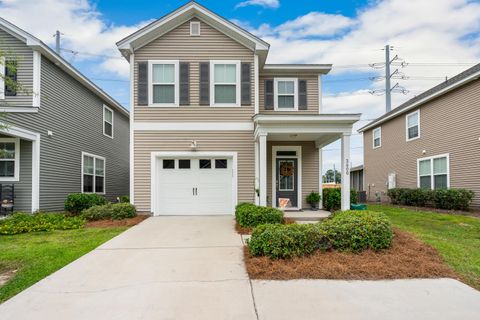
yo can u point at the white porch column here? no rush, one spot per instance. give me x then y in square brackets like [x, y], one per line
[36, 174]
[345, 172]
[262, 146]
[320, 178]
[257, 178]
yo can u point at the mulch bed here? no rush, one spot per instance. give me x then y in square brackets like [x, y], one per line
[116, 223]
[408, 258]
[246, 230]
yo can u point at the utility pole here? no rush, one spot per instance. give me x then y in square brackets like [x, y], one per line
[57, 42]
[388, 91]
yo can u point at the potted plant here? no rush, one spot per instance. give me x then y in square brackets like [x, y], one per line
[313, 199]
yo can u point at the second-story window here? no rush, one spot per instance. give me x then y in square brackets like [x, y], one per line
[163, 83]
[377, 138]
[225, 88]
[107, 121]
[286, 94]
[413, 125]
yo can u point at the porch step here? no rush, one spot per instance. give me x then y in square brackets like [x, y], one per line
[307, 216]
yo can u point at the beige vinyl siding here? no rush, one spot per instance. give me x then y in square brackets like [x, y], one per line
[179, 45]
[231, 141]
[309, 168]
[448, 124]
[24, 56]
[312, 93]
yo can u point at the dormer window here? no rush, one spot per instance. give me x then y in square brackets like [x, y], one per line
[195, 28]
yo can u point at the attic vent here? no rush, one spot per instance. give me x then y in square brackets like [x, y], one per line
[195, 28]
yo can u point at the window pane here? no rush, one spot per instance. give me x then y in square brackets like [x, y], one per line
[108, 115]
[440, 165]
[108, 129]
[7, 168]
[205, 163]
[424, 167]
[286, 153]
[413, 132]
[220, 163]
[99, 182]
[412, 120]
[286, 102]
[87, 165]
[426, 182]
[286, 87]
[163, 73]
[168, 164]
[163, 94]
[376, 142]
[225, 94]
[376, 133]
[87, 183]
[225, 73]
[184, 164]
[440, 181]
[99, 167]
[7, 150]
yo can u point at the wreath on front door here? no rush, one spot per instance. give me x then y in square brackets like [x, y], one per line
[286, 169]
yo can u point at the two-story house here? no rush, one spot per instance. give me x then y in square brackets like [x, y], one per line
[63, 134]
[431, 141]
[214, 125]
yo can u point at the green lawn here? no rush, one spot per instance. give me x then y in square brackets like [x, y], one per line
[456, 237]
[36, 255]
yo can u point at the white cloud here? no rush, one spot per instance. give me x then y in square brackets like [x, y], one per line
[262, 3]
[83, 28]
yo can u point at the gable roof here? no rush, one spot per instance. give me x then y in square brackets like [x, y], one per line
[47, 52]
[183, 14]
[443, 88]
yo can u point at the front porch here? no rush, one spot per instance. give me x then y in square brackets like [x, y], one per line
[288, 157]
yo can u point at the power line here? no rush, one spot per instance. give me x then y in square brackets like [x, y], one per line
[75, 53]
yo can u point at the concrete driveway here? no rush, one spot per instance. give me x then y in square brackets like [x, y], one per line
[192, 268]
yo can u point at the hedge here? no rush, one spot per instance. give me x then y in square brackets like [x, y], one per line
[450, 199]
[77, 202]
[332, 198]
[249, 215]
[114, 211]
[25, 222]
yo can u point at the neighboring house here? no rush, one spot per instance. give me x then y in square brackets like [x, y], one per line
[356, 178]
[64, 134]
[431, 141]
[213, 125]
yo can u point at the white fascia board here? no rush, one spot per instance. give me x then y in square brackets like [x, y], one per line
[321, 118]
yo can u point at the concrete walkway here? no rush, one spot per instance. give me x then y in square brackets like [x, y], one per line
[192, 268]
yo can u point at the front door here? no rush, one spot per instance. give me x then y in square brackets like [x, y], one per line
[286, 183]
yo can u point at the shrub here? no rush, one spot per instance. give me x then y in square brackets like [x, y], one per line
[313, 197]
[24, 222]
[332, 198]
[250, 215]
[124, 199]
[358, 230]
[77, 202]
[450, 199]
[114, 211]
[286, 240]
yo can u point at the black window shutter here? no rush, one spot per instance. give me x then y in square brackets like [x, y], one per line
[246, 87]
[184, 83]
[302, 94]
[269, 94]
[11, 74]
[204, 83]
[142, 84]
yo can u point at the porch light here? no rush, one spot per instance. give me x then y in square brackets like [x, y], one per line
[193, 145]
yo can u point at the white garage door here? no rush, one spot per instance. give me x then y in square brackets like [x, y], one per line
[194, 186]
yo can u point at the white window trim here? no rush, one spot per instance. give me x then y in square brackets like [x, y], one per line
[2, 80]
[104, 120]
[406, 125]
[192, 23]
[212, 83]
[432, 175]
[295, 94]
[373, 138]
[176, 83]
[94, 173]
[16, 176]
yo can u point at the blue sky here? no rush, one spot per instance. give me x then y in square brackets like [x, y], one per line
[434, 40]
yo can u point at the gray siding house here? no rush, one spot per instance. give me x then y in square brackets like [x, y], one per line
[63, 134]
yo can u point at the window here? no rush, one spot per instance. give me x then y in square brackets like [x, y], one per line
[163, 83]
[93, 174]
[377, 138]
[286, 94]
[205, 163]
[221, 163]
[10, 78]
[195, 28]
[9, 159]
[413, 125]
[287, 153]
[168, 164]
[184, 164]
[433, 172]
[225, 88]
[107, 121]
